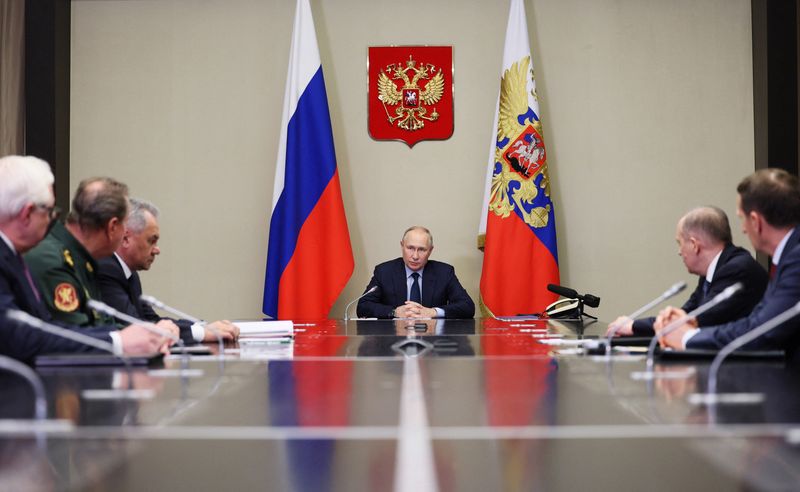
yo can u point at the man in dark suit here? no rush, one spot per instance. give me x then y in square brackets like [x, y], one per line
[121, 287]
[769, 209]
[26, 211]
[413, 286]
[705, 245]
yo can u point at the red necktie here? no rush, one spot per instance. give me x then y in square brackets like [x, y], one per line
[30, 279]
[772, 269]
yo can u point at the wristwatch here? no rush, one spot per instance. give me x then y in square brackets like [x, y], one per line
[391, 315]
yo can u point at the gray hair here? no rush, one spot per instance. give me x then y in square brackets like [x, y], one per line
[136, 216]
[23, 180]
[419, 228]
[710, 221]
[97, 201]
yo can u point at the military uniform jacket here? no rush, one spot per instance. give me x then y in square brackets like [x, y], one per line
[66, 276]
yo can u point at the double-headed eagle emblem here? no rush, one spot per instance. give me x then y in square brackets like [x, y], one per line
[520, 153]
[411, 100]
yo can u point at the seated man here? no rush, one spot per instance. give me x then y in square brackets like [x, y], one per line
[64, 264]
[121, 287]
[413, 287]
[26, 211]
[769, 209]
[704, 243]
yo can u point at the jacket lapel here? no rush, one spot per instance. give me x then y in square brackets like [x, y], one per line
[400, 285]
[428, 285]
[14, 262]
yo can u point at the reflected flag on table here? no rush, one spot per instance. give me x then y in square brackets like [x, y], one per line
[518, 230]
[309, 258]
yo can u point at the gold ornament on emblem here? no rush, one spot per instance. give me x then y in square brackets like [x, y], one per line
[411, 114]
[513, 104]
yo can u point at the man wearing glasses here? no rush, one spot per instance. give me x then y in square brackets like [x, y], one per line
[26, 214]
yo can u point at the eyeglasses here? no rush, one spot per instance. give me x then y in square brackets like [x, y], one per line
[53, 211]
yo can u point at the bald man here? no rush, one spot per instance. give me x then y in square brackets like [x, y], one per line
[705, 245]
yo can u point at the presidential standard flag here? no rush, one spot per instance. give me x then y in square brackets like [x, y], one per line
[518, 230]
[309, 259]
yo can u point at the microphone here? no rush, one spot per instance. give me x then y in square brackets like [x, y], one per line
[160, 305]
[106, 309]
[672, 291]
[28, 374]
[722, 296]
[588, 299]
[75, 336]
[563, 291]
[347, 308]
[745, 339]
[26, 319]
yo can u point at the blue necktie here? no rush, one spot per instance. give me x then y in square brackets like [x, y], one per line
[415, 294]
[706, 288]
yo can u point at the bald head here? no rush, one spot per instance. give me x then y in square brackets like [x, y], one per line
[708, 224]
[97, 201]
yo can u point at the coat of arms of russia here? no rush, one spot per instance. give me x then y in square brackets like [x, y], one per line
[410, 93]
[520, 180]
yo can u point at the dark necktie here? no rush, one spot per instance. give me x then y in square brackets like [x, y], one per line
[706, 288]
[30, 279]
[415, 296]
[135, 291]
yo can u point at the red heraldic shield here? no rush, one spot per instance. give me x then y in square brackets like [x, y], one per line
[410, 93]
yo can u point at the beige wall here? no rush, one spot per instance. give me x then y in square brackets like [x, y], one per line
[647, 111]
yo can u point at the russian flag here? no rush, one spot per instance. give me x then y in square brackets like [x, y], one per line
[518, 229]
[309, 259]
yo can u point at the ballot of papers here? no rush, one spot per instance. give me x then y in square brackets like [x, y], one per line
[265, 329]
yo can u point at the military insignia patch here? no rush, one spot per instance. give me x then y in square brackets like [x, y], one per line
[410, 93]
[65, 297]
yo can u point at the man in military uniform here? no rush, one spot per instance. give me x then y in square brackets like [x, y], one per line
[27, 207]
[64, 263]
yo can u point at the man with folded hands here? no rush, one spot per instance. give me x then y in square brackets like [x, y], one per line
[769, 210]
[27, 210]
[121, 286]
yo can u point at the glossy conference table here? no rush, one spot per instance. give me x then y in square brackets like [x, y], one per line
[374, 405]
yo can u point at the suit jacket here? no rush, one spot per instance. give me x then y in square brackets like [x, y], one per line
[125, 295]
[23, 342]
[440, 288]
[782, 293]
[735, 265]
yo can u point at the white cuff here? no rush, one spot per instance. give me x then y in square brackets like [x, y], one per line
[688, 336]
[198, 332]
[439, 312]
[116, 341]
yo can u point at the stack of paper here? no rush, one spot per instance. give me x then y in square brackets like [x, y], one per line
[260, 329]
